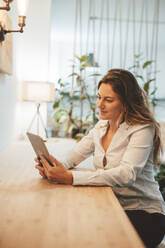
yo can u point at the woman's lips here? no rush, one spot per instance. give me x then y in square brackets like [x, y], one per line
[103, 112]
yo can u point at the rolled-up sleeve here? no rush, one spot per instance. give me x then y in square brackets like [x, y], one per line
[133, 161]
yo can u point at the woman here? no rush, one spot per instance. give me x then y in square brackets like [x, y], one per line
[126, 146]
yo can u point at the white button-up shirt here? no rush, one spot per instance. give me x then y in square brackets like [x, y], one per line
[129, 167]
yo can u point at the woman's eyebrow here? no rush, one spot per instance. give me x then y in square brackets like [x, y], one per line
[106, 96]
[109, 97]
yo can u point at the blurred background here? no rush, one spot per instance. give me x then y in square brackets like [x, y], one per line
[70, 45]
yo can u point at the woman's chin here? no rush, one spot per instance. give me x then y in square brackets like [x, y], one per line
[102, 117]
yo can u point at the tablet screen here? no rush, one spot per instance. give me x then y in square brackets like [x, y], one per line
[39, 146]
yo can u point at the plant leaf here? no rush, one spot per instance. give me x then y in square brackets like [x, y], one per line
[77, 57]
[140, 76]
[131, 67]
[73, 74]
[147, 63]
[146, 87]
[153, 102]
[59, 80]
[86, 64]
[56, 104]
[153, 92]
[83, 58]
[150, 80]
[136, 56]
[95, 75]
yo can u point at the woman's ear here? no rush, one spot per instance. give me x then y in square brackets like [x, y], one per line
[124, 109]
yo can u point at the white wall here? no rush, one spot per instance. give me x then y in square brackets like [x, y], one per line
[7, 108]
[29, 63]
[8, 98]
[32, 55]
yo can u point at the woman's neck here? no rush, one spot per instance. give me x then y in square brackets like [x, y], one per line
[113, 125]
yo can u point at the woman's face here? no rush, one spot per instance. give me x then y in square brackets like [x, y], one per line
[109, 104]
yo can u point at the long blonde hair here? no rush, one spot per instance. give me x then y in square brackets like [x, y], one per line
[135, 102]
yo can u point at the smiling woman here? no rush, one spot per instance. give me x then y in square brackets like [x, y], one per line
[126, 146]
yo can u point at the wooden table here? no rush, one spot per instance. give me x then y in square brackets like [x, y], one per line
[35, 213]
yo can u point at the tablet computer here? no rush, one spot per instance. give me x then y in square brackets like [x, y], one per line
[39, 147]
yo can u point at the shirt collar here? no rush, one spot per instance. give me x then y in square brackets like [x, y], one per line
[122, 126]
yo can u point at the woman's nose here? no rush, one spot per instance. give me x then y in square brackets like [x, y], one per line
[100, 103]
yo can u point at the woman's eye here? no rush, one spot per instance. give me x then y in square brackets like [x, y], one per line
[107, 100]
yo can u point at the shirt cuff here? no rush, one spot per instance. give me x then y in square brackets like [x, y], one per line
[86, 178]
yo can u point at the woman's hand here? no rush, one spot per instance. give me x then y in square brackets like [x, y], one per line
[40, 168]
[58, 173]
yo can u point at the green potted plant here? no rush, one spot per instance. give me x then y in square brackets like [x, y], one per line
[71, 102]
[142, 69]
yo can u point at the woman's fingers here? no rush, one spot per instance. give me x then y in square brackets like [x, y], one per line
[44, 171]
[45, 163]
[52, 158]
[55, 173]
[55, 161]
[42, 174]
[41, 170]
[36, 160]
